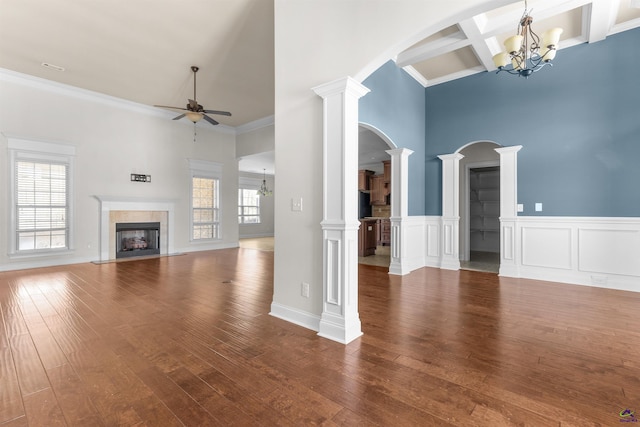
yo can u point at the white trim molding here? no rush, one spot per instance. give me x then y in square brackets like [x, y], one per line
[601, 252]
[110, 203]
[340, 320]
[450, 256]
[399, 209]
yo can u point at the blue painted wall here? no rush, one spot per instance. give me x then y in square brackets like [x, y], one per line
[578, 123]
[396, 106]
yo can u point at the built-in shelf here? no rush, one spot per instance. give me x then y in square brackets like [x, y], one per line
[484, 186]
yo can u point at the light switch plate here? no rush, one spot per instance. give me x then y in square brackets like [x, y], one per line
[520, 207]
[296, 204]
[538, 207]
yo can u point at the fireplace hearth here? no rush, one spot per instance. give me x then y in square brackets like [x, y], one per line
[137, 239]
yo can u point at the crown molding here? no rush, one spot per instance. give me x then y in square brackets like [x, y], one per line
[255, 125]
[39, 83]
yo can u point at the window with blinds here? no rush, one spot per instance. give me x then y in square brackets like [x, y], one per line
[42, 207]
[248, 206]
[205, 208]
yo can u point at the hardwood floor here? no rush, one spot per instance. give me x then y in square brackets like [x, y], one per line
[187, 340]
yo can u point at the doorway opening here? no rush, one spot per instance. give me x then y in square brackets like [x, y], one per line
[374, 197]
[483, 219]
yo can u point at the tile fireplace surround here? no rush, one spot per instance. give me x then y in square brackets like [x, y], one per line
[123, 209]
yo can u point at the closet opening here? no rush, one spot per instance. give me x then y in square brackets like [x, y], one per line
[483, 219]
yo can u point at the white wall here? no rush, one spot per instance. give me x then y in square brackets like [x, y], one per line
[255, 141]
[316, 43]
[113, 139]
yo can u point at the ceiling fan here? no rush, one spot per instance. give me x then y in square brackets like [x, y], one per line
[195, 111]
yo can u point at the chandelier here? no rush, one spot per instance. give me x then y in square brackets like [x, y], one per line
[524, 51]
[264, 190]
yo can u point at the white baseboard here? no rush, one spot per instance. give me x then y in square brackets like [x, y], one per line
[41, 263]
[199, 247]
[255, 236]
[295, 316]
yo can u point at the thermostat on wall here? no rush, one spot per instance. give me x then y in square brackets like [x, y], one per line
[140, 177]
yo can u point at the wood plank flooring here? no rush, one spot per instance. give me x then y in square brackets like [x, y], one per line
[187, 340]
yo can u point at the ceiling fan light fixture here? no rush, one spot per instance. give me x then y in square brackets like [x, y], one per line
[193, 116]
[194, 111]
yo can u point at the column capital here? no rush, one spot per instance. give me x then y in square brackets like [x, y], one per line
[452, 156]
[345, 84]
[511, 149]
[404, 152]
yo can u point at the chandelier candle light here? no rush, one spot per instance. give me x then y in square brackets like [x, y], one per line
[264, 191]
[524, 50]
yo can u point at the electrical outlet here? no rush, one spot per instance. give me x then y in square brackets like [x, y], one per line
[520, 207]
[296, 204]
[538, 207]
[305, 290]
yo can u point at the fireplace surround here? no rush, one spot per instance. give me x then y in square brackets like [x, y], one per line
[134, 210]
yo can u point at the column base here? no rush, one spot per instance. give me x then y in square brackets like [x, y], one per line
[339, 329]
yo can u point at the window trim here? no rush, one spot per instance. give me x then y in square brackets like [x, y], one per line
[21, 149]
[240, 216]
[209, 170]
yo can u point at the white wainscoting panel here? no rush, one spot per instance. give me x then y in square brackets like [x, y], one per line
[609, 251]
[433, 241]
[548, 247]
[602, 252]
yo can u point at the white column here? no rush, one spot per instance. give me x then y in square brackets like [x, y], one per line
[399, 209]
[340, 320]
[508, 210]
[450, 258]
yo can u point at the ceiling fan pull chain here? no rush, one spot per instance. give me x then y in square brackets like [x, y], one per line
[194, 132]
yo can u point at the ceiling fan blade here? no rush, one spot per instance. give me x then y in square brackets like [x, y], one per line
[179, 117]
[222, 113]
[170, 108]
[209, 119]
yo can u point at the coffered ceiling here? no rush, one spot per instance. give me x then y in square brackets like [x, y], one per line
[468, 46]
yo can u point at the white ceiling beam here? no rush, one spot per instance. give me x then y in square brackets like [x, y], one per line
[599, 18]
[432, 49]
[625, 26]
[508, 22]
[483, 48]
[457, 75]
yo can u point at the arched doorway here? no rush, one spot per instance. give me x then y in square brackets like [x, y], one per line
[508, 163]
[374, 194]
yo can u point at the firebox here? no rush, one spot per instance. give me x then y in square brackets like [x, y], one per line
[137, 239]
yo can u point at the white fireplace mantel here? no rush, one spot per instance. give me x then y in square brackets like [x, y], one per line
[113, 203]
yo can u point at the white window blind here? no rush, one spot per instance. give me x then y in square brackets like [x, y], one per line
[205, 208]
[42, 205]
[205, 199]
[41, 197]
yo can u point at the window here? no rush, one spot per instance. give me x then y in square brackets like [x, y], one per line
[205, 206]
[41, 198]
[204, 199]
[248, 206]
